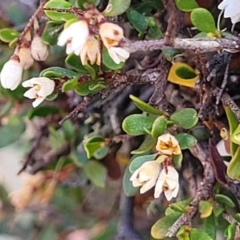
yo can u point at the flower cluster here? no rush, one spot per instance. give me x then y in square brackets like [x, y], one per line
[152, 173]
[81, 41]
[231, 10]
[28, 49]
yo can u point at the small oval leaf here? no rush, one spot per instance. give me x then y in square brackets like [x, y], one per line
[185, 140]
[116, 7]
[208, 25]
[144, 106]
[136, 124]
[185, 118]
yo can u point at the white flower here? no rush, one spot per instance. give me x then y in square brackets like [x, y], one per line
[25, 57]
[168, 182]
[11, 74]
[111, 35]
[91, 52]
[231, 9]
[118, 54]
[168, 144]
[39, 50]
[74, 36]
[40, 88]
[146, 176]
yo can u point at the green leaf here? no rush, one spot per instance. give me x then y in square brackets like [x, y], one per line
[235, 136]
[128, 188]
[136, 124]
[96, 173]
[137, 162]
[177, 160]
[42, 111]
[208, 25]
[144, 106]
[146, 145]
[58, 72]
[205, 208]
[185, 118]
[51, 32]
[79, 157]
[161, 227]
[159, 126]
[61, 15]
[81, 3]
[70, 85]
[90, 87]
[8, 35]
[101, 152]
[74, 61]
[196, 234]
[96, 147]
[116, 7]
[201, 133]
[209, 226]
[233, 124]
[185, 72]
[230, 232]
[47, 233]
[233, 168]
[185, 140]
[68, 129]
[56, 138]
[173, 207]
[186, 5]
[169, 53]
[154, 33]
[137, 20]
[12, 131]
[108, 62]
[237, 217]
[225, 200]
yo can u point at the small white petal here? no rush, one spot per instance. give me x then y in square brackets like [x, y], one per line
[31, 93]
[64, 37]
[118, 54]
[39, 50]
[37, 102]
[231, 9]
[223, 4]
[148, 185]
[168, 194]
[159, 185]
[175, 191]
[235, 19]
[69, 49]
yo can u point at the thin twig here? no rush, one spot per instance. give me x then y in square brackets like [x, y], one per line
[202, 45]
[31, 20]
[77, 110]
[53, 154]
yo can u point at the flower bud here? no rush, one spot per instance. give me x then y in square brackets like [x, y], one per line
[25, 57]
[39, 50]
[11, 74]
